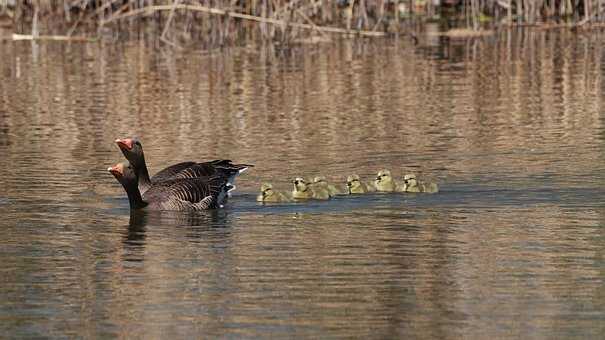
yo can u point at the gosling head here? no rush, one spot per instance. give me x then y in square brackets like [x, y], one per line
[353, 182]
[320, 181]
[384, 181]
[354, 185]
[266, 190]
[383, 176]
[300, 184]
[410, 180]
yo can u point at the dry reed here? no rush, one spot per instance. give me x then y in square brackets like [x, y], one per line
[221, 22]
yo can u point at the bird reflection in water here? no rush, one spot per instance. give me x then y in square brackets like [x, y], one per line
[196, 224]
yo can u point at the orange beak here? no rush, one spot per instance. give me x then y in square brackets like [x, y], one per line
[117, 170]
[124, 144]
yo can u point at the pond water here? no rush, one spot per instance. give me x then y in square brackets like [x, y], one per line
[510, 126]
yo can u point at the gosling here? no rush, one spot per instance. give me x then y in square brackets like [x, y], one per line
[385, 183]
[411, 184]
[356, 186]
[267, 194]
[320, 183]
[304, 190]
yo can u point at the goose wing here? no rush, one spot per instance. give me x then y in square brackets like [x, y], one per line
[171, 171]
[188, 194]
[206, 169]
[222, 167]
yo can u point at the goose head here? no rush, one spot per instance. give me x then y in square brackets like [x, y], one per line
[126, 175]
[123, 172]
[131, 149]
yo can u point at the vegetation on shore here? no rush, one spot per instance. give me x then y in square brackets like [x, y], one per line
[220, 22]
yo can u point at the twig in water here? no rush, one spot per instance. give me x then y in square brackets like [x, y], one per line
[316, 28]
[50, 37]
[151, 9]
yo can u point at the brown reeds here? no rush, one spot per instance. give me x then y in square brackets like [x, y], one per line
[218, 22]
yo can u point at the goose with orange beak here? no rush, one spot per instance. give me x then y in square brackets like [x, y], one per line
[181, 194]
[133, 151]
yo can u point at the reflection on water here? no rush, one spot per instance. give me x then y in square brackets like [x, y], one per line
[510, 126]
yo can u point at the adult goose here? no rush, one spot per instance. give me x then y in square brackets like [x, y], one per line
[181, 194]
[133, 151]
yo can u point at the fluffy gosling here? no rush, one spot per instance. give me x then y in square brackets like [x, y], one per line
[320, 183]
[267, 194]
[304, 190]
[356, 186]
[384, 182]
[411, 184]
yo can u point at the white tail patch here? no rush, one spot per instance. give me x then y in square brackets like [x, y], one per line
[232, 187]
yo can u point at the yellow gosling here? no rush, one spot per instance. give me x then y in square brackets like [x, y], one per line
[411, 184]
[304, 190]
[384, 182]
[321, 183]
[267, 194]
[356, 186]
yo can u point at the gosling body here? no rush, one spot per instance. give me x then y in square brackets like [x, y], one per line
[411, 184]
[320, 183]
[384, 182]
[356, 186]
[303, 190]
[269, 195]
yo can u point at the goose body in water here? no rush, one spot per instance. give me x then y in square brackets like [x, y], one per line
[180, 194]
[133, 151]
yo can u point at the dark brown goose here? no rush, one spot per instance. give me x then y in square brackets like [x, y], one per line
[181, 194]
[133, 151]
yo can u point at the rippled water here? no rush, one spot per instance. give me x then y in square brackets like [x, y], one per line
[510, 126]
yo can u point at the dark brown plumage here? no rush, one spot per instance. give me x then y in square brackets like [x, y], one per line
[181, 194]
[133, 151]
